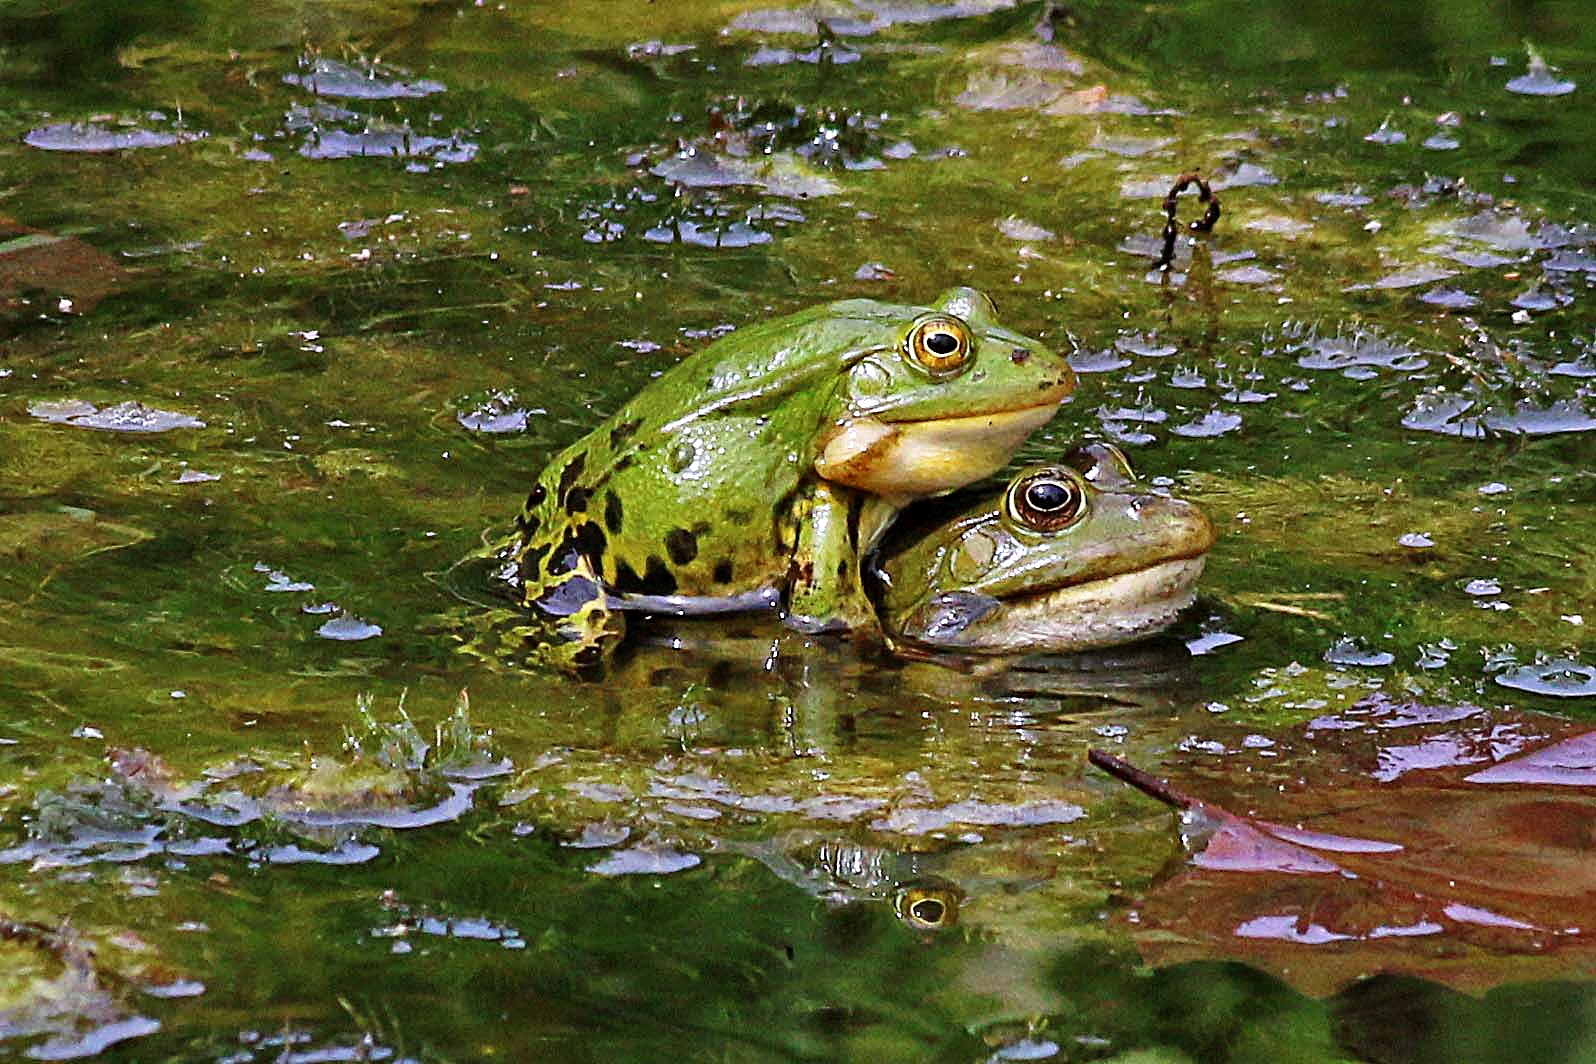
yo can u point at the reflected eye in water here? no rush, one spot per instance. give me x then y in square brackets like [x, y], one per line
[940, 344]
[1047, 501]
[927, 908]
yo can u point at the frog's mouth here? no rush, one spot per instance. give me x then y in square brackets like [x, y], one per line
[910, 459]
[1063, 620]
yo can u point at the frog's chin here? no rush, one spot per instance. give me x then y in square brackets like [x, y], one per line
[1103, 613]
[912, 459]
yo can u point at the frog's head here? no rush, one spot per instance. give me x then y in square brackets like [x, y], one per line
[1067, 557]
[945, 403]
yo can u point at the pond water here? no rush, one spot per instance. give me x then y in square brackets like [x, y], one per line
[296, 299]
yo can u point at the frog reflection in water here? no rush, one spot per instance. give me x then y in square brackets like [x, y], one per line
[761, 470]
[1069, 557]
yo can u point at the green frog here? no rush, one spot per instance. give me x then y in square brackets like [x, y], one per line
[1067, 557]
[760, 471]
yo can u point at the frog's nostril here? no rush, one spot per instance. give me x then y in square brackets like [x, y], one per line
[1019, 355]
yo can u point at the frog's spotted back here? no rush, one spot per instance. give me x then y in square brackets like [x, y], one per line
[759, 470]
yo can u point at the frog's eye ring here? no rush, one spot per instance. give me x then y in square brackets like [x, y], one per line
[1047, 501]
[940, 344]
[927, 908]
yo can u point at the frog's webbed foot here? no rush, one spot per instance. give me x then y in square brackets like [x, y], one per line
[568, 626]
[577, 629]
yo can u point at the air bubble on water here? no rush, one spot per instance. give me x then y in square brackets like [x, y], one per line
[1433, 655]
[346, 627]
[92, 137]
[368, 81]
[1213, 423]
[122, 417]
[1558, 677]
[1450, 298]
[1146, 344]
[1350, 650]
[499, 412]
[1414, 276]
[1537, 80]
[1104, 361]
[1386, 135]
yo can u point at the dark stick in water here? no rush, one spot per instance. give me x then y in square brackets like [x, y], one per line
[1205, 224]
[1148, 784]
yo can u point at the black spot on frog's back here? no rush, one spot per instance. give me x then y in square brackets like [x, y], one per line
[681, 545]
[657, 578]
[624, 431]
[576, 500]
[614, 513]
[723, 571]
[568, 477]
[535, 498]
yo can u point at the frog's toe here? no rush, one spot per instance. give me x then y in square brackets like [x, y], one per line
[817, 625]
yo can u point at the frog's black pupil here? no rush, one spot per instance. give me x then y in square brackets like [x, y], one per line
[942, 343]
[1047, 496]
[928, 910]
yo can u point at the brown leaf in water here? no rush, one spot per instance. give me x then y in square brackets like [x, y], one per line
[1449, 843]
[72, 275]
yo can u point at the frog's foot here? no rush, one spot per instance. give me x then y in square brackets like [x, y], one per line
[579, 628]
[839, 608]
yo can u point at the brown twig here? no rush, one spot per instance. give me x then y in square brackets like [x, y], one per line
[1205, 224]
[1148, 784]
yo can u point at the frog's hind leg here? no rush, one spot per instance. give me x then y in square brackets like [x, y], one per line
[577, 628]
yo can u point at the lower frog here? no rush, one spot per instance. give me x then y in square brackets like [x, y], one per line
[760, 471]
[1068, 557]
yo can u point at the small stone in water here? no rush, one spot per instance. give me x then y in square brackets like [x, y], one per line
[1483, 586]
[1495, 487]
[1417, 540]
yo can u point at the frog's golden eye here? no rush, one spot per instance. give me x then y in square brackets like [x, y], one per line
[940, 344]
[1047, 501]
[927, 908]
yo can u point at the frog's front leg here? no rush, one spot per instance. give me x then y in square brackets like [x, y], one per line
[825, 589]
